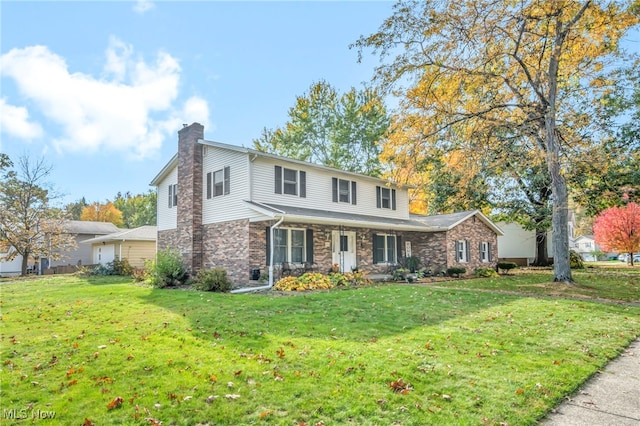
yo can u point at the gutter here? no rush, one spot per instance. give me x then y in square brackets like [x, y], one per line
[271, 242]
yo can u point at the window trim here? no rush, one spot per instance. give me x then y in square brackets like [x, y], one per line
[280, 184]
[485, 251]
[386, 249]
[463, 251]
[379, 197]
[289, 246]
[224, 183]
[173, 195]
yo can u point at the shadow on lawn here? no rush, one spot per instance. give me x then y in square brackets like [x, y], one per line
[358, 315]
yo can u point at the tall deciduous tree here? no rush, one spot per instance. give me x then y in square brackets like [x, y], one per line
[99, 212]
[324, 127]
[137, 210]
[74, 210]
[494, 74]
[618, 229]
[28, 221]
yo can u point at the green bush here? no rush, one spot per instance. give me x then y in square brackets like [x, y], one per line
[413, 263]
[213, 280]
[167, 270]
[505, 267]
[456, 271]
[575, 260]
[122, 267]
[485, 273]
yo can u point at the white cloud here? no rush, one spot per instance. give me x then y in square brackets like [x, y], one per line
[142, 6]
[123, 111]
[14, 121]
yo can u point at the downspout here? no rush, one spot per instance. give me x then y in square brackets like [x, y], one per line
[270, 285]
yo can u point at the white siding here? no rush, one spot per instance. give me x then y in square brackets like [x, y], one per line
[167, 217]
[10, 268]
[519, 243]
[319, 191]
[231, 206]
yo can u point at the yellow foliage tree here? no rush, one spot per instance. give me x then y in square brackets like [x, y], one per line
[491, 78]
[106, 212]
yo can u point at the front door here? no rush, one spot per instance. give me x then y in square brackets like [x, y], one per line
[344, 250]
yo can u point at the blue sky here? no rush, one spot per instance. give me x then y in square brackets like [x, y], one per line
[100, 89]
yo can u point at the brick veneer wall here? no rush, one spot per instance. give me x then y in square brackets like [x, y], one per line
[227, 245]
[474, 231]
[189, 220]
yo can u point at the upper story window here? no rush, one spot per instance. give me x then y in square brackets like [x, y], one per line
[290, 181]
[385, 198]
[344, 191]
[462, 251]
[218, 182]
[173, 195]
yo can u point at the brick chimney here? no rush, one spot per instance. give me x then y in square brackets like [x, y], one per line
[190, 195]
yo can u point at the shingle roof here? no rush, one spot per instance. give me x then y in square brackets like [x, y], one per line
[143, 233]
[90, 227]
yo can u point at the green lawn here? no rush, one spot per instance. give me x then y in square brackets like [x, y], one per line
[387, 354]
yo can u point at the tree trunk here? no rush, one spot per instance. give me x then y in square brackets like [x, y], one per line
[542, 255]
[25, 264]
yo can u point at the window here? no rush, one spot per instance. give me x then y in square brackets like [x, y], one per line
[485, 251]
[173, 195]
[218, 183]
[462, 251]
[384, 248]
[344, 191]
[385, 198]
[291, 245]
[291, 182]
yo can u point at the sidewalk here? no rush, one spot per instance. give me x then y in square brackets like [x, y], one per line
[611, 397]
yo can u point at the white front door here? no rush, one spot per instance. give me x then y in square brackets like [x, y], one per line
[344, 250]
[104, 254]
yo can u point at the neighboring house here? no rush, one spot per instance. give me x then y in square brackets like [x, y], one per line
[240, 209]
[80, 255]
[586, 246]
[519, 245]
[9, 267]
[134, 245]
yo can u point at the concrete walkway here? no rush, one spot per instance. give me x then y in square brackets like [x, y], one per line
[611, 397]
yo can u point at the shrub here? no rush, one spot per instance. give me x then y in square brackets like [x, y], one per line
[106, 269]
[413, 263]
[139, 274]
[308, 281]
[456, 271]
[167, 270]
[575, 260]
[213, 280]
[122, 267]
[505, 267]
[485, 273]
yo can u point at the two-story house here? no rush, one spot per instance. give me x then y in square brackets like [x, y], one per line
[240, 209]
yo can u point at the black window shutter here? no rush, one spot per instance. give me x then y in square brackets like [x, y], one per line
[170, 196]
[457, 251]
[375, 247]
[480, 250]
[268, 262]
[353, 192]
[334, 189]
[393, 199]
[208, 185]
[227, 180]
[490, 257]
[378, 197]
[468, 248]
[278, 170]
[303, 184]
[310, 245]
[398, 248]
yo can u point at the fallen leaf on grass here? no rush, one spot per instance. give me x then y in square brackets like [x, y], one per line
[265, 414]
[399, 386]
[115, 403]
[87, 422]
[232, 396]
